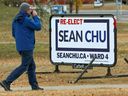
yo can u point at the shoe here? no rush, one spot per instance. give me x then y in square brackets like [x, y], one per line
[37, 88]
[5, 85]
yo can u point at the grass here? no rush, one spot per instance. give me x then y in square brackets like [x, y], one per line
[122, 27]
[6, 16]
[9, 50]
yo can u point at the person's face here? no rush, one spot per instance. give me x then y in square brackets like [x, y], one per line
[29, 11]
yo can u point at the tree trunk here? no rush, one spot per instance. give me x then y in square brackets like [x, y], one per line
[71, 5]
[77, 8]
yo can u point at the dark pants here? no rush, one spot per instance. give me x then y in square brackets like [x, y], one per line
[28, 65]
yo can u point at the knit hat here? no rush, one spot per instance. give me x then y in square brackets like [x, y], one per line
[25, 6]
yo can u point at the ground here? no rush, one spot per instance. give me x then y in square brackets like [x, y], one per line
[80, 92]
[57, 79]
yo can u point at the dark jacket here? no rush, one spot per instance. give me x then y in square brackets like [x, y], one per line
[23, 30]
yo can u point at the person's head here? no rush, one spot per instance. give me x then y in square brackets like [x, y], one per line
[26, 8]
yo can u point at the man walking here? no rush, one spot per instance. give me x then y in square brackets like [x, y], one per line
[24, 25]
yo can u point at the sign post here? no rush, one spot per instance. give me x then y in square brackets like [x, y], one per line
[77, 39]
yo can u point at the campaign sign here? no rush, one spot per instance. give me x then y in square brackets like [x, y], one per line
[77, 39]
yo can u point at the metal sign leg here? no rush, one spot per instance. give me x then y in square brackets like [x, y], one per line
[125, 59]
[108, 72]
[85, 70]
[56, 69]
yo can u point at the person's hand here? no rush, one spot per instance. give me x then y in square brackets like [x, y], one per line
[34, 13]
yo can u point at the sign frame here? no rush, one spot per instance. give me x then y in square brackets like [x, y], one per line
[84, 15]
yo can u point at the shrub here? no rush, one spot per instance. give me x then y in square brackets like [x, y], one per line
[12, 3]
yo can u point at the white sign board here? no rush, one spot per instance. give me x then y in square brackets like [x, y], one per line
[77, 39]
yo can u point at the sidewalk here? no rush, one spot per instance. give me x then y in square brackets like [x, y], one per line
[75, 87]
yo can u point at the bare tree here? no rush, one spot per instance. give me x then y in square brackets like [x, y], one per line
[71, 5]
[78, 4]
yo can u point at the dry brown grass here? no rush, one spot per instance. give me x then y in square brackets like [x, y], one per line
[44, 65]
